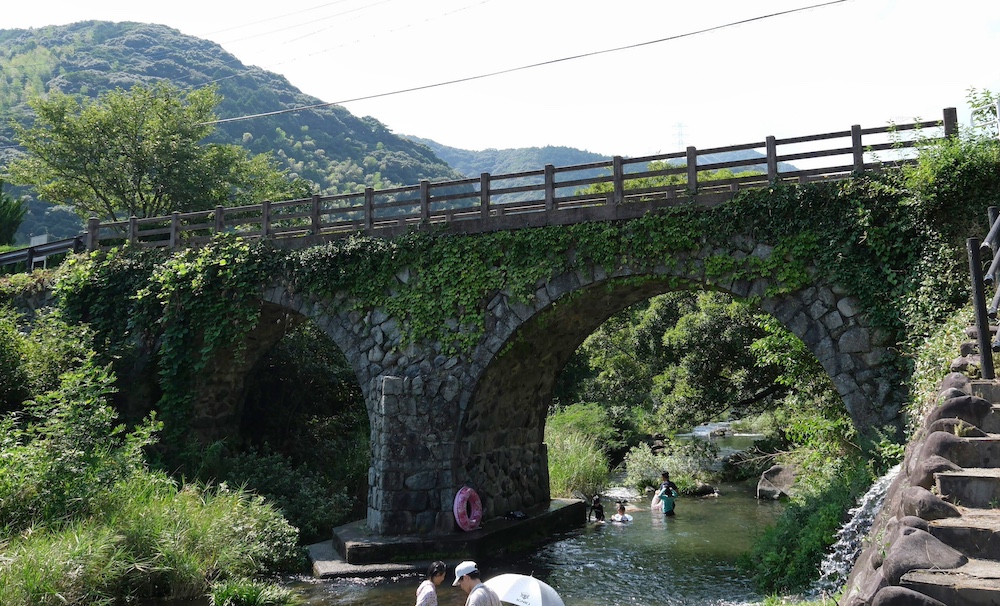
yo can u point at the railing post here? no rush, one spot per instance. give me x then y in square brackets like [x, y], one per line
[265, 218]
[220, 219]
[30, 259]
[979, 304]
[425, 200]
[175, 229]
[950, 122]
[550, 188]
[771, 147]
[692, 166]
[857, 149]
[369, 207]
[484, 196]
[618, 180]
[93, 233]
[133, 230]
[316, 227]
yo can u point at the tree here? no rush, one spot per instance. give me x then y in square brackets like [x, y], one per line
[684, 358]
[11, 214]
[140, 152]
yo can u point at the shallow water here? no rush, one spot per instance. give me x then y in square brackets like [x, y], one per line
[687, 559]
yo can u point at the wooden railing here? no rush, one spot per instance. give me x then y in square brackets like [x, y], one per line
[548, 196]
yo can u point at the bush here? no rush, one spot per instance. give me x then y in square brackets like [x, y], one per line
[589, 419]
[786, 557]
[65, 451]
[687, 461]
[306, 497]
[53, 347]
[13, 378]
[85, 521]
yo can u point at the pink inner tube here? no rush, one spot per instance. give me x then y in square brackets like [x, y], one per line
[468, 509]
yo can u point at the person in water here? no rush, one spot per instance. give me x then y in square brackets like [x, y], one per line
[427, 591]
[621, 516]
[665, 495]
[596, 509]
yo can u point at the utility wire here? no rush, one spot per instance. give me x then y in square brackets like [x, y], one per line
[526, 67]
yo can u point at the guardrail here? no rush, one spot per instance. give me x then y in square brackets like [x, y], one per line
[629, 188]
[29, 255]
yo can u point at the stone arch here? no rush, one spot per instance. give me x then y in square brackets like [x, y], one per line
[499, 437]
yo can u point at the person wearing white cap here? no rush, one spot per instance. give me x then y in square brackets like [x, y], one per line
[467, 577]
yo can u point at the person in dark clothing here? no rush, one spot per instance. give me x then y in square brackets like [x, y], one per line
[596, 509]
[664, 497]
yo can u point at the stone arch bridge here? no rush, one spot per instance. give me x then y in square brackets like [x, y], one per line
[440, 422]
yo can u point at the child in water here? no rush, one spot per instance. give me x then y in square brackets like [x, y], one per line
[597, 509]
[621, 516]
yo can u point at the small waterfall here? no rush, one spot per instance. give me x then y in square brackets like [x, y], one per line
[838, 563]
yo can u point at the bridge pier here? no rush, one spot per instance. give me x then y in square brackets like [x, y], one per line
[412, 475]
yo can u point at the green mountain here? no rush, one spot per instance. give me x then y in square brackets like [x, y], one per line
[515, 160]
[329, 146]
[504, 161]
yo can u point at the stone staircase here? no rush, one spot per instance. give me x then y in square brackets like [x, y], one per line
[937, 539]
[974, 491]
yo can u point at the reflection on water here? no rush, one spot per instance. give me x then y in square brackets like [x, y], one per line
[686, 559]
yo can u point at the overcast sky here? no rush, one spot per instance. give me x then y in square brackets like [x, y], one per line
[822, 69]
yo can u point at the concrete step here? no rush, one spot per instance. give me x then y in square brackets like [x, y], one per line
[976, 534]
[977, 583]
[973, 487]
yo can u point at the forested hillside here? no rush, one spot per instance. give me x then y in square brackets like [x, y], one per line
[332, 148]
[501, 161]
[520, 159]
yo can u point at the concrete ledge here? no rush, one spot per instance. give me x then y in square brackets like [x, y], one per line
[355, 546]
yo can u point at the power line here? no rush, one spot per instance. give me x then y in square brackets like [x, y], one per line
[526, 67]
[377, 34]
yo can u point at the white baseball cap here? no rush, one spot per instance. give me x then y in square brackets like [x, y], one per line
[463, 569]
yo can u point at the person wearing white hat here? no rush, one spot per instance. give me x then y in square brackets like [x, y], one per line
[467, 577]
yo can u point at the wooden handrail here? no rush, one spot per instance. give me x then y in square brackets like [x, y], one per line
[391, 210]
[552, 194]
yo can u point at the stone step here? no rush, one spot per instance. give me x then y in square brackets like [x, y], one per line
[976, 534]
[973, 487]
[987, 450]
[977, 583]
[991, 424]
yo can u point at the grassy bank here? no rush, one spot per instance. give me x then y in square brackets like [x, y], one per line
[85, 519]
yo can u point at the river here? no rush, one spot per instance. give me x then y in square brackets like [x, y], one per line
[687, 559]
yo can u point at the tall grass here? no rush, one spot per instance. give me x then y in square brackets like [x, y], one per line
[84, 521]
[576, 465]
